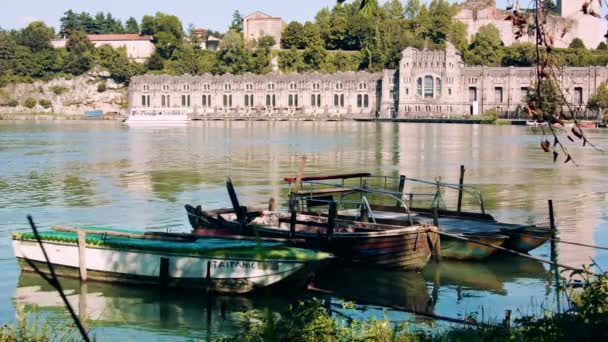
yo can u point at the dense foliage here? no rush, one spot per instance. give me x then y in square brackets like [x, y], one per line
[310, 321]
[352, 35]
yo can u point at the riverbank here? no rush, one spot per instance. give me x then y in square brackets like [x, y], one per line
[55, 117]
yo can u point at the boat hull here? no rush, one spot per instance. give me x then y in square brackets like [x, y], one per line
[406, 248]
[525, 239]
[458, 249]
[216, 274]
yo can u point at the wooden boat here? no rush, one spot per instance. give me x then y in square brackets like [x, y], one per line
[173, 260]
[474, 226]
[406, 247]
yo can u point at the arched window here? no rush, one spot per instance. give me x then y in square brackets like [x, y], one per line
[362, 86]
[313, 100]
[185, 100]
[225, 103]
[316, 86]
[419, 87]
[336, 100]
[162, 101]
[438, 87]
[359, 100]
[290, 101]
[246, 100]
[339, 86]
[227, 87]
[206, 87]
[249, 86]
[165, 87]
[318, 100]
[270, 86]
[365, 100]
[204, 101]
[146, 87]
[342, 100]
[428, 87]
[186, 87]
[293, 86]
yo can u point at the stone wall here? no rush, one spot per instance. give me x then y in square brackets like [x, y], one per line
[67, 96]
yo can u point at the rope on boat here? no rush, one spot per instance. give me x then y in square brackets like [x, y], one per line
[560, 241]
[517, 253]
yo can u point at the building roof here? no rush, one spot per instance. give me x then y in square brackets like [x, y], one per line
[259, 15]
[118, 37]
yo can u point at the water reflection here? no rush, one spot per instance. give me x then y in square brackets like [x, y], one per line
[190, 315]
[107, 175]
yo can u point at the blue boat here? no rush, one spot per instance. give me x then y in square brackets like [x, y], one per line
[93, 113]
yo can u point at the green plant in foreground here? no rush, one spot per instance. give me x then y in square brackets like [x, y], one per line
[29, 328]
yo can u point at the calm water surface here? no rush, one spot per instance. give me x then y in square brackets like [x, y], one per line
[108, 175]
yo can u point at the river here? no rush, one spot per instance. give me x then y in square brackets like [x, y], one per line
[105, 174]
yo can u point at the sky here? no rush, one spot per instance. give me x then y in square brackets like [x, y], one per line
[212, 14]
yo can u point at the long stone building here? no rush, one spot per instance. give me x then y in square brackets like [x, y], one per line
[428, 83]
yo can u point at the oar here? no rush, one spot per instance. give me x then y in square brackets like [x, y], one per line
[241, 212]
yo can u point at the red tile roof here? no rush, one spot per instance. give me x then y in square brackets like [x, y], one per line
[117, 37]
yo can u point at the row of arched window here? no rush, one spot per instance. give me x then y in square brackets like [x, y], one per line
[271, 100]
[339, 86]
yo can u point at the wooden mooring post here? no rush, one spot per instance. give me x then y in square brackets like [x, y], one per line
[507, 321]
[294, 217]
[331, 218]
[461, 184]
[271, 204]
[554, 267]
[437, 247]
[401, 187]
[82, 250]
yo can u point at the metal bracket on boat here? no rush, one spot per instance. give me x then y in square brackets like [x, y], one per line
[369, 208]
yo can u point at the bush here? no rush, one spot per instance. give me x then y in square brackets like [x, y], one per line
[45, 103]
[12, 103]
[58, 90]
[490, 116]
[30, 102]
[102, 86]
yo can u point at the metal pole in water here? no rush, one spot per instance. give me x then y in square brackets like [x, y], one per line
[554, 254]
[401, 187]
[461, 184]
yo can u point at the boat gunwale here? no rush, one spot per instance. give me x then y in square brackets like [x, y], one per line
[328, 257]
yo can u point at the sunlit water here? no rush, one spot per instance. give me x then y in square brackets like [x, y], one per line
[105, 174]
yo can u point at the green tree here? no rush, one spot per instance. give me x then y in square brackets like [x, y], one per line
[519, 54]
[441, 13]
[232, 56]
[602, 46]
[148, 25]
[394, 10]
[314, 57]
[290, 60]
[206, 61]
[599, 100]
[486, 48]
[548, 101]
[237, 22]
[118, 64]
[183, 61]
[80, 54]
[577, 43]
[292, 36]
[131, 25]
[311, 36]
[37, 36]
[261, 55]
[69, 23]
[155, 62]
[8, 45]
